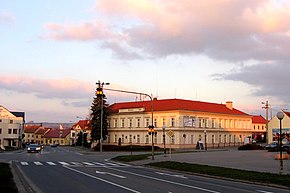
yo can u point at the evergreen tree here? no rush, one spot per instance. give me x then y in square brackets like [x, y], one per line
[96, 118]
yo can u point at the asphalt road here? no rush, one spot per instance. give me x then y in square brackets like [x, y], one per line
[64, 170]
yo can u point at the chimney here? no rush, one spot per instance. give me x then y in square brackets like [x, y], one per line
[229, 104]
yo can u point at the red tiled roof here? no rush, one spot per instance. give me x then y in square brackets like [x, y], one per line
[83, 124]
[54, 133]
[258, 119]
[41, 131]
[31, 128]
[287, 113]
[176, 104]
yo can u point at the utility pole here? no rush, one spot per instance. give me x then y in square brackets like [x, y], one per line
[267, 110]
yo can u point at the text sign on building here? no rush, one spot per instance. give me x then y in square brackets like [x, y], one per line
[189, 121]
[132, 110]
[170, 133]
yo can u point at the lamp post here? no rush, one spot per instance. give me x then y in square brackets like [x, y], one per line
[205, 144]
[100, 93]
[163, 129]
[280, 116]
[144, 94]
[266, 107]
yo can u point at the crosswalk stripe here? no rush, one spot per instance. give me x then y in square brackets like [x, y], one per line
[99, 163]
[87, 163]
[64, 163]
[38, 163]
[24, 163]
[76, 163]
[51, 163]
[112, 164]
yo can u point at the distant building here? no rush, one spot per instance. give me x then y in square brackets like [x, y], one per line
[11, 128]
[57, 136]
[81, 126]
[259, 128]
[274, 128]
[182, 122]
[29, 133]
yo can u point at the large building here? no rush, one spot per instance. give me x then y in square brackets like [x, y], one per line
[182, 122]
[259, 128]
[11, 128]
[274, 128]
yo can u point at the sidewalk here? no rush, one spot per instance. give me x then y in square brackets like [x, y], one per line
[252, 160]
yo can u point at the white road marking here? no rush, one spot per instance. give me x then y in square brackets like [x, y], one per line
[24, 163]
[112, 164]
[167, 181]
[173, 175]
[103, 180]
[38, 163]
[51, 163]
[89, 164]
[119, 176]
[99, 163]
[64, 163]
[263, 191]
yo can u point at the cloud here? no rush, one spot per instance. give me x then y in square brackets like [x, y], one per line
[61, 89]
[267, 79]
[224, 30]
[6, 17]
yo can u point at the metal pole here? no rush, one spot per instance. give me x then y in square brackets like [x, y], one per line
[163, 128]
[280, 147]
[101, 139]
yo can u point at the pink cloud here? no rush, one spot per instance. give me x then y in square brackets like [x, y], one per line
[84, 31]
[62, 88]
[6, 17]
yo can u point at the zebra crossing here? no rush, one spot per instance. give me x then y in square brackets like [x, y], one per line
[73, 164]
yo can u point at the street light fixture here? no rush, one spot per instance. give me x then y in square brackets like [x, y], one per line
[144, 94]
[100, 92]
[163, 129]
[280, 116]
[205, 144]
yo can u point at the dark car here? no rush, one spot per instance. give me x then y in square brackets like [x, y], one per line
[272, 146]
[33, 148]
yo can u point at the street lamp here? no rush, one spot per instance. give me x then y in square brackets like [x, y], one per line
[163, 129]
[267, 124]
[144, 94]
[100, 93]
[205, 144]
[280, 116]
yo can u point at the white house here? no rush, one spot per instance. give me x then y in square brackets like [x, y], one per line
[11, 128]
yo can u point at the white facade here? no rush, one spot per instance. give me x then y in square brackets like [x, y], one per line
[130, 126]
[11, 129]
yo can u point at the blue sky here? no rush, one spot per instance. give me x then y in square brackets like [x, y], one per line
[53, 53]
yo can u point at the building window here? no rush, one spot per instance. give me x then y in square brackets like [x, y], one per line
[212, 139]
[163, 122]
[115, 123]
[155, 139]
[138, 122]
[147, 122]
[14, 131]
[173, 139]
[225, 138]
[130, 123]
[9, 131]
[155, 123]
[213, 123]
[0, 130]
[138, 138]
[115, 138]
[0, 120]
[146, 139]
[172, 121]
[11, 121]
[258, 127]
[130, 138]
[254, 127]
[122, 123]
[123, 138]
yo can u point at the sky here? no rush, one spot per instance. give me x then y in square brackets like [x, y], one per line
[54, 52]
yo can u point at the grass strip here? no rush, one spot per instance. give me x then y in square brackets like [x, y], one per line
[252, 176]
[131, 158]
[6, 179]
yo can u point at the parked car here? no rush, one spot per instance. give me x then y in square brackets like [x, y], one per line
[33, 148]
[272, 146]
[53, 145]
